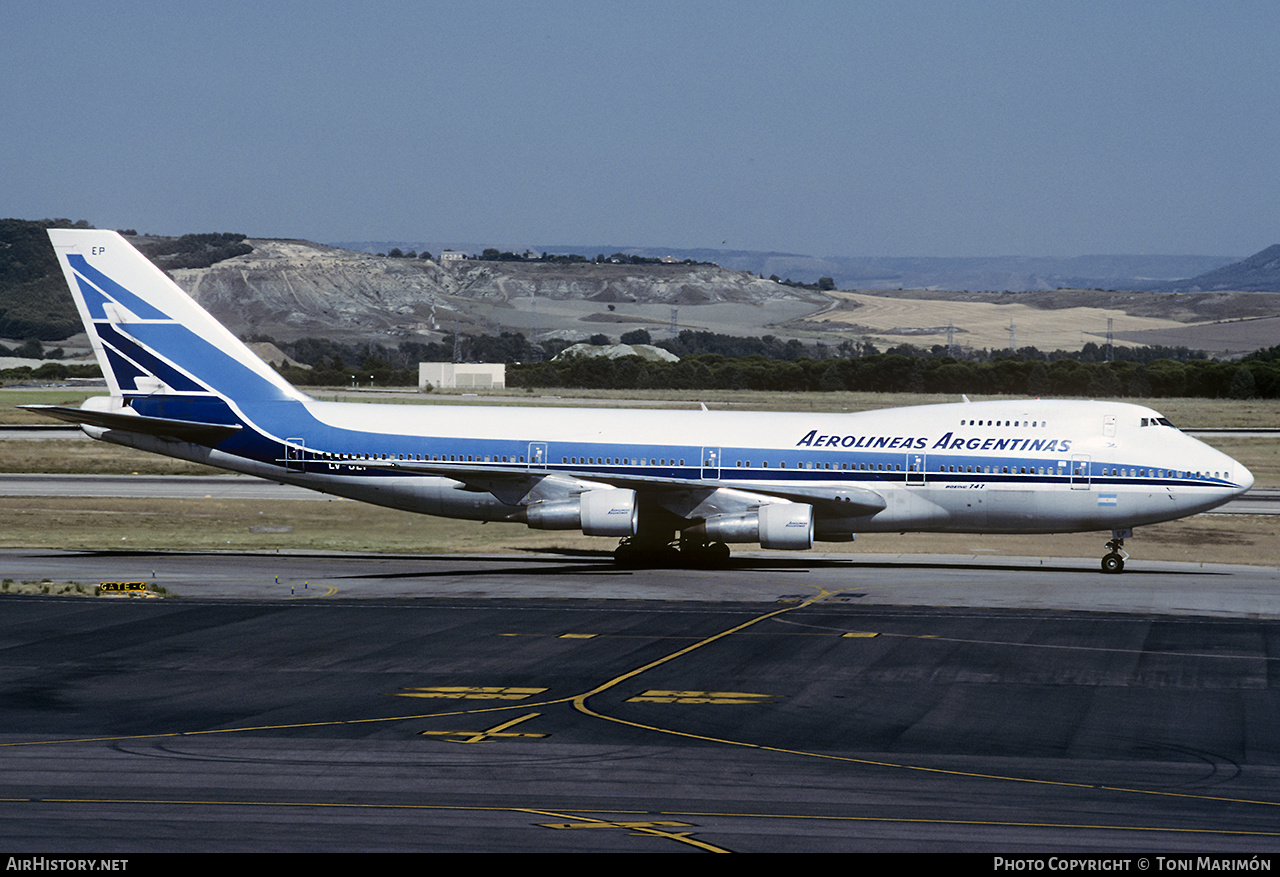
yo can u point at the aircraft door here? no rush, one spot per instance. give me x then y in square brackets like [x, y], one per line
[711, 463]
[916, 468]
[538, 456]
[1080, 472]
[295, 455]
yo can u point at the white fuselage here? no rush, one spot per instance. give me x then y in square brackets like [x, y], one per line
[1008, 466]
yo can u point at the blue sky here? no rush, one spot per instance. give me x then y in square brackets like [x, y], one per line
[882, 129]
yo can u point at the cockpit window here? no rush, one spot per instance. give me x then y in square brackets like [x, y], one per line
[1156, 421]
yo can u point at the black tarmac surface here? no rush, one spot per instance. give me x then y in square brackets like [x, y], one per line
[553, 704]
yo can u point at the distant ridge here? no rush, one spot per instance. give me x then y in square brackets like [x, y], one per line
[956, 273]
[1258, 273]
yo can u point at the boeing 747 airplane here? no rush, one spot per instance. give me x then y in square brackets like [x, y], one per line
[660, 481]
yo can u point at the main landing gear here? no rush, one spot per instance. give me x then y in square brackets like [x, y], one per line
[1113, 560]
[687, 553]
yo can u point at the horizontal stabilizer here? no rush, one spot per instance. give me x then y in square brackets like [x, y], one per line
[162, 427]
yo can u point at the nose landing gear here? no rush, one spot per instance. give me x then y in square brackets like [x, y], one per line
[1113, 560]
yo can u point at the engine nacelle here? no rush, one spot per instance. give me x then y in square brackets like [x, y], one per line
[779, 526]
[595, 512]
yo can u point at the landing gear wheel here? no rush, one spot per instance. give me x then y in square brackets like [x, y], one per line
[630, 555]
[703, 555]
[715, 554]
[627, 556]
[1113, 560]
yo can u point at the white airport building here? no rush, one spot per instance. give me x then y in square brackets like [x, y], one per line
[462, 375]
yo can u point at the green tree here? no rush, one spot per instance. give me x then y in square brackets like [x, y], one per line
[1242, 384]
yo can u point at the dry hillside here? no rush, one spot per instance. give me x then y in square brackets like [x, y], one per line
[290, 289]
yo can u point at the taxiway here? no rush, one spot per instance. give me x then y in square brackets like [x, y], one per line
[341, 703]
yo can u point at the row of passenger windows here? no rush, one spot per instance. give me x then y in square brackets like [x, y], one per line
[851, 467]
[1016, 470]
[1119, 472]
[739, 464]
[621, 461]
[1033, 424]
[1162, 473]
[1040, 424]
[425, 458]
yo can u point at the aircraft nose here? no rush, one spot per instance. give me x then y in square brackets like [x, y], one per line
[1244, 478]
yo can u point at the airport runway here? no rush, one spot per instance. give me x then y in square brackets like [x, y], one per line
[153, 486]
[550, 703]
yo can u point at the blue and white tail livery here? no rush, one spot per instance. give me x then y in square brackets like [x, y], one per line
[661, 481]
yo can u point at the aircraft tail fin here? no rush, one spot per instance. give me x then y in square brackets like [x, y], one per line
[151, 339]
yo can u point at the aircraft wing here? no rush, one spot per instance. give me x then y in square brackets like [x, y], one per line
[510, 484]
[859, 500]
[519, 486]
